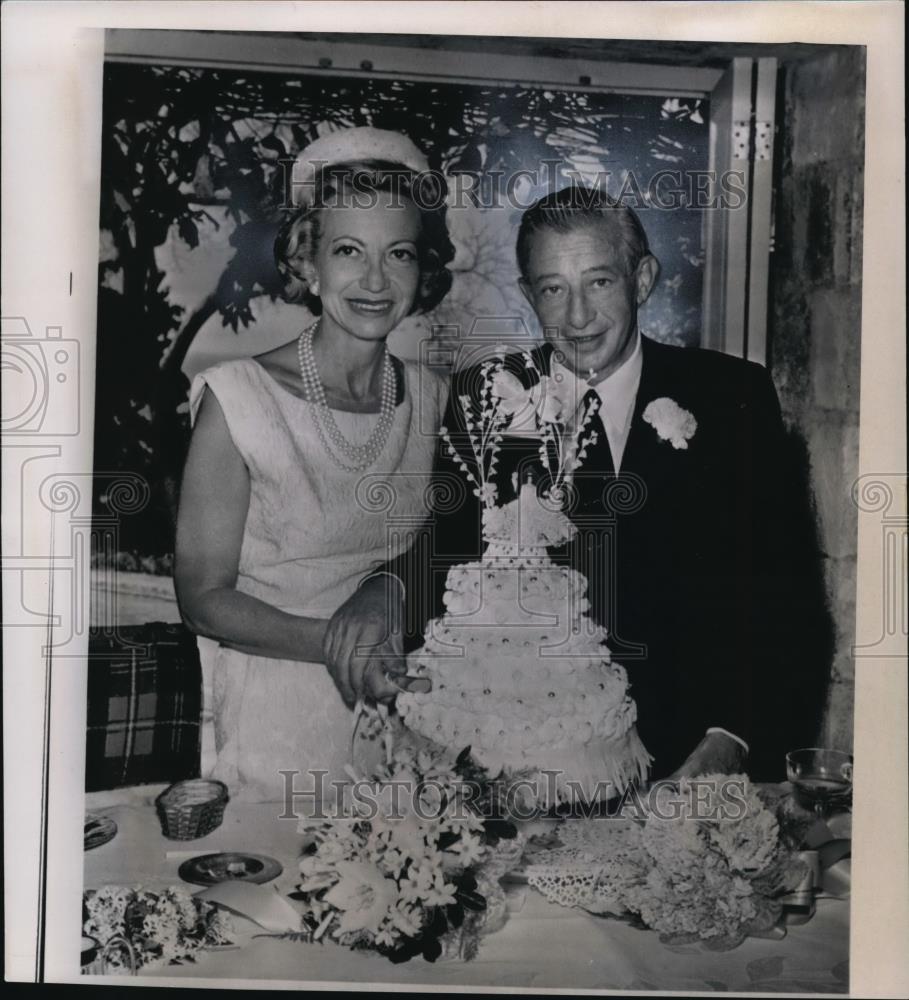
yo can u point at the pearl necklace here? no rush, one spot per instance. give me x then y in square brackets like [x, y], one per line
[358, 456]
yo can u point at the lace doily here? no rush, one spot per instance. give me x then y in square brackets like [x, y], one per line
[590, 866]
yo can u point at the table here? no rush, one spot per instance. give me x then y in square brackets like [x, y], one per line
[542, 945]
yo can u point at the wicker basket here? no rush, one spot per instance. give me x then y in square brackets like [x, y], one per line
[191, 809]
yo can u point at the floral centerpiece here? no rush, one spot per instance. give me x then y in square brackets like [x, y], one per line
[703, 863]
[167, 927]
[414, 869]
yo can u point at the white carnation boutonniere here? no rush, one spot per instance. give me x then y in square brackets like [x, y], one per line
[671, 422]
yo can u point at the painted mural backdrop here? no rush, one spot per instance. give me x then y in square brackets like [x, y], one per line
[194, 173]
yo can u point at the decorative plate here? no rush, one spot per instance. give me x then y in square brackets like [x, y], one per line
[227, 866]
[98, 830]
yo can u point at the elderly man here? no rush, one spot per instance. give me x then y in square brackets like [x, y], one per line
[689, 536]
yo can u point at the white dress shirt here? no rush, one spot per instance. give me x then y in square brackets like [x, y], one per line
[617, 393]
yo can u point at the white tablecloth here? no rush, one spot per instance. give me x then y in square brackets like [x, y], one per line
[542, 945]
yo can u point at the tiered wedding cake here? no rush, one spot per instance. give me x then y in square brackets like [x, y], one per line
[520, 673]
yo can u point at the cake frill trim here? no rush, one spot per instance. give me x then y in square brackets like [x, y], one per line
[571, 774]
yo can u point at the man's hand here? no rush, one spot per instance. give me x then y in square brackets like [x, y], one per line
[364, 642]
[717, 753]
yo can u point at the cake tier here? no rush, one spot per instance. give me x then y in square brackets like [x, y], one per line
[522, 675]
[484, 662]
[515, 591]
[558, 647]
[528, 522]
[522, 723]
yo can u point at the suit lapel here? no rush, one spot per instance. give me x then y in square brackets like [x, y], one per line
[646, 454]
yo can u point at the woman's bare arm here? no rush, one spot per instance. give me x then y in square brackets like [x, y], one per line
[214, 502]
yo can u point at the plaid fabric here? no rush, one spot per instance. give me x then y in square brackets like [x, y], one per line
[144, 707]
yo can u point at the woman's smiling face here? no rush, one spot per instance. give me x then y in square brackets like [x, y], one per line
[366, 270]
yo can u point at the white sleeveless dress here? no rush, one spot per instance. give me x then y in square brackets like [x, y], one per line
[312, 532]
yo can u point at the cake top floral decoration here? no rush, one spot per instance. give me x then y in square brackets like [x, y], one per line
[542, 409]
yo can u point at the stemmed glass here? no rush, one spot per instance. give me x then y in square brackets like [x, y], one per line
[821, 778]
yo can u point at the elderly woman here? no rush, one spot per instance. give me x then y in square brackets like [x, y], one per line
[278, 518]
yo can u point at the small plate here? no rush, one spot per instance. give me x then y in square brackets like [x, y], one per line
[226, 866]
[98, 830]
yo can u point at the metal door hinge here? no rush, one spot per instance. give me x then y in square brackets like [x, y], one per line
[741, 140]
[742, 148]
[763, 140]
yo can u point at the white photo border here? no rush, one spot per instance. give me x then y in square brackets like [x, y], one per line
[52, 68]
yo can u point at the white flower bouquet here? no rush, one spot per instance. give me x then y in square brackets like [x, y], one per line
[704, 863]
[414, 870]
[166, 928]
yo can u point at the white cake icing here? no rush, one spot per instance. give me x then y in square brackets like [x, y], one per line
[519, 672]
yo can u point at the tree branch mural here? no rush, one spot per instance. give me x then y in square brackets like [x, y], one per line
[183, 149]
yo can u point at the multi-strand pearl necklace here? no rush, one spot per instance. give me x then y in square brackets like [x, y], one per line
[358, 456]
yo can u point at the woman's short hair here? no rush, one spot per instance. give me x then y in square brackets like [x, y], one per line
[577, 206]
[366, 180]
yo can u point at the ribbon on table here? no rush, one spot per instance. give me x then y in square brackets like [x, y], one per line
[835, 869]
[826, 855]
[828, 877]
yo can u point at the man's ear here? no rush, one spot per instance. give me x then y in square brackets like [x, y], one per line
[525, 288]
[645, 275]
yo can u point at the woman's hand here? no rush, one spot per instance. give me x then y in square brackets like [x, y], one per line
[364, 644]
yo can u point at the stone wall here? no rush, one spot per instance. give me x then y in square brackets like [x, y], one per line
[815, 322]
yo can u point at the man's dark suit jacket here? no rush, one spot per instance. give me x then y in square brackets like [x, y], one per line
[699, 562]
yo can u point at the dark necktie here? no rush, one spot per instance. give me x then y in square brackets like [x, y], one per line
[597, 463]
